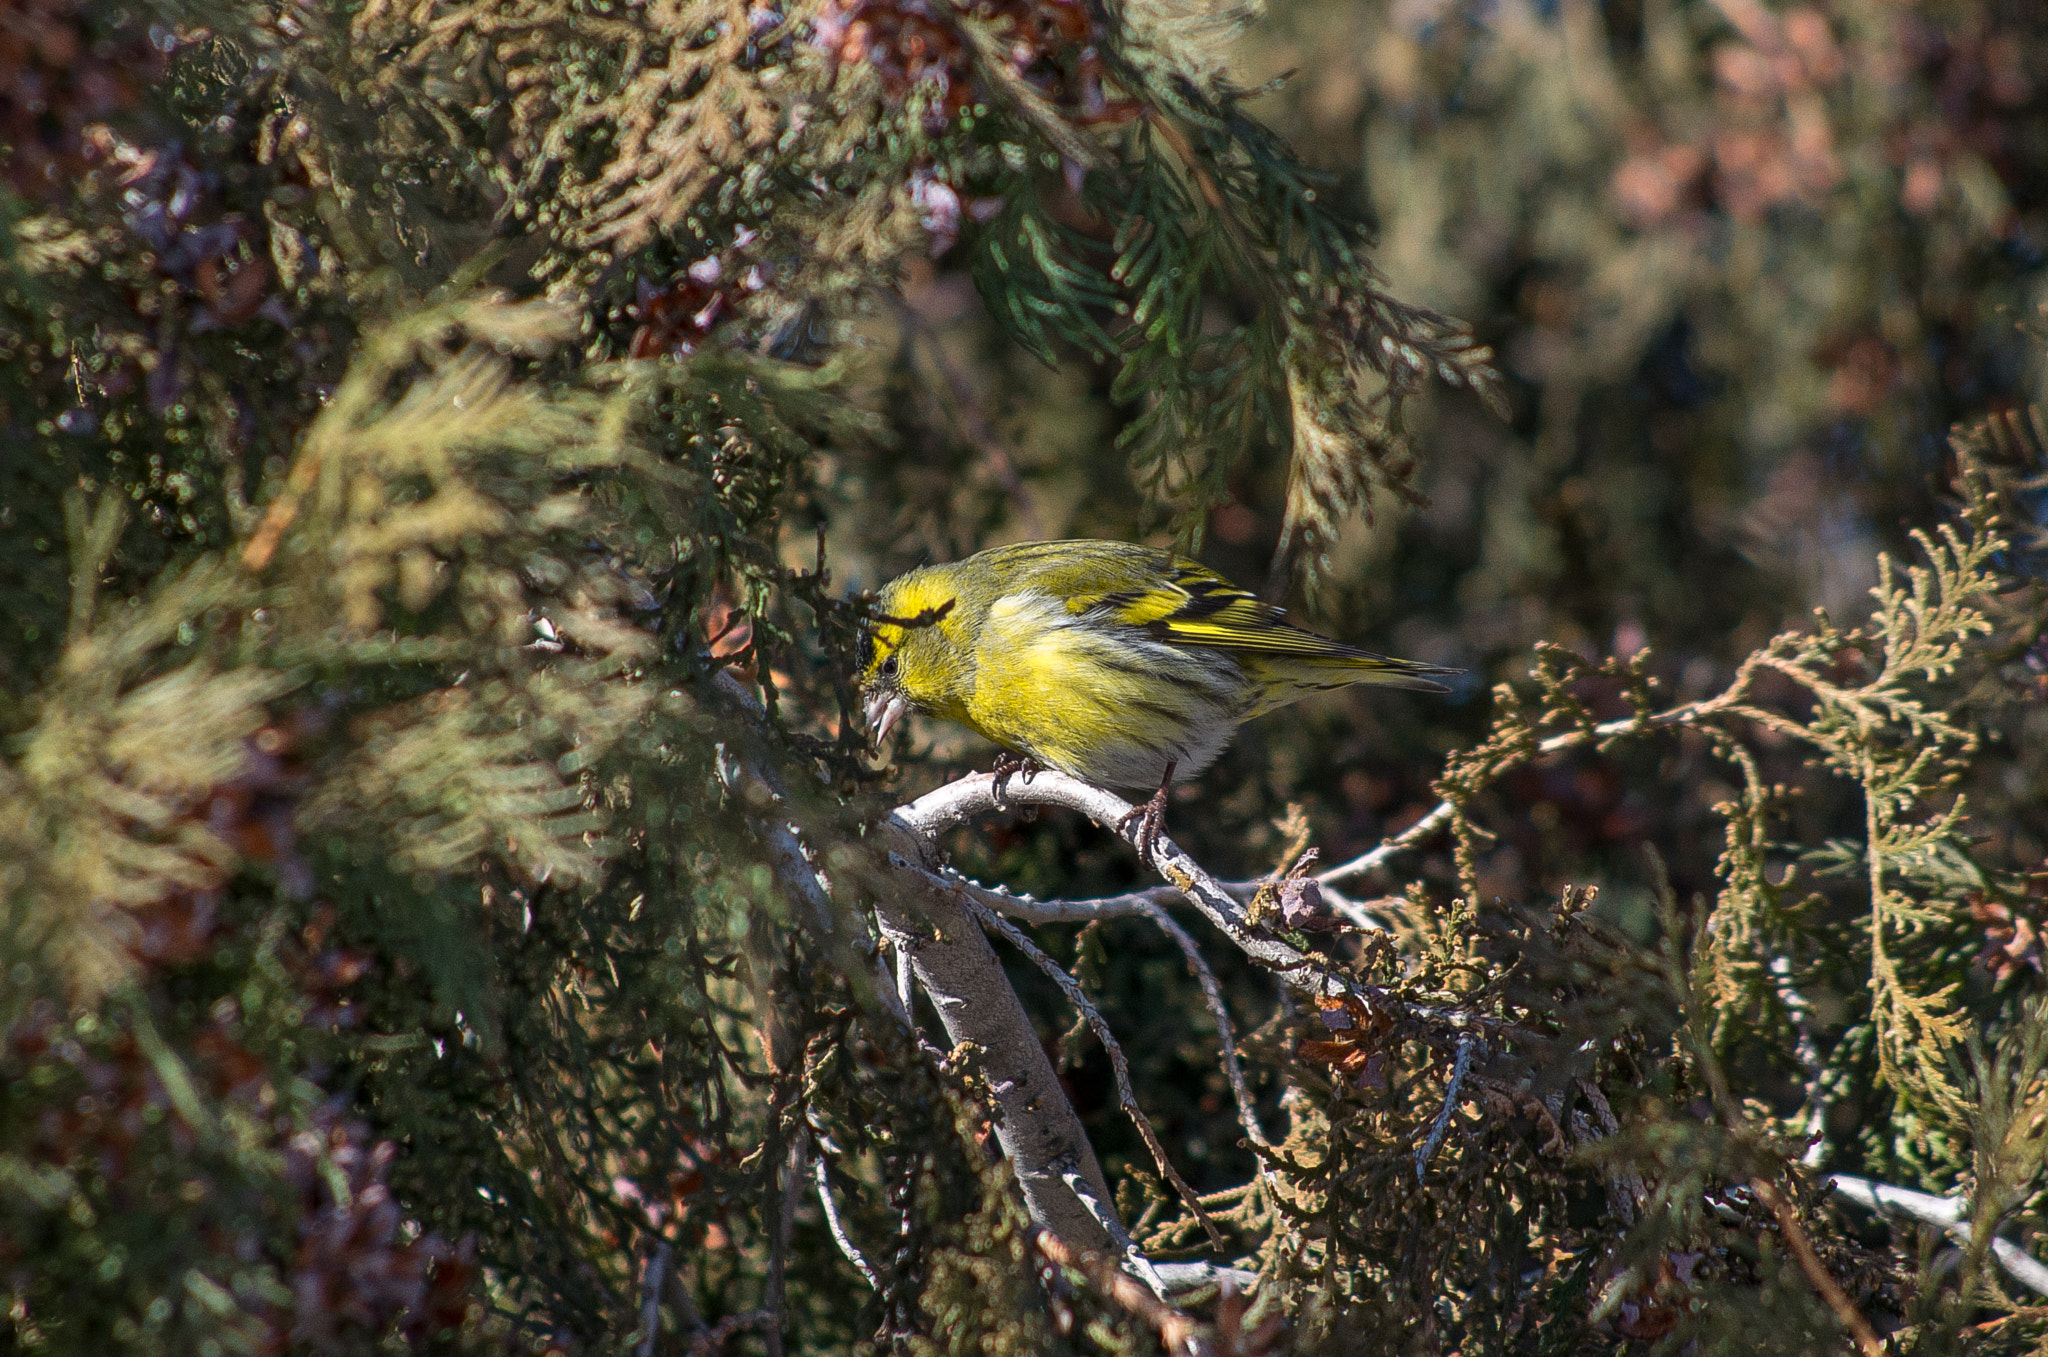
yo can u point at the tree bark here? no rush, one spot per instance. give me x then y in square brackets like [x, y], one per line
[954, 963]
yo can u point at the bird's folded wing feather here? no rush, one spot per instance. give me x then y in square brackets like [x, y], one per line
[1176, 600]
[1192, 606]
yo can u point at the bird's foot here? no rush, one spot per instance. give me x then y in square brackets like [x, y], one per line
[1150, 819]
[1009, 765]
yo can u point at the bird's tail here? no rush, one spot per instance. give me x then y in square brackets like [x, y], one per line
[1284, 680]
[1388, 672]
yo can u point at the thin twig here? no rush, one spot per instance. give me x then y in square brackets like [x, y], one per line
[684, 1305]
[1358, 913]
[752, 768]
[1018, 905]
[1105, 1216]
[779, 837]
[888, 985]
[1407, 838]
[904, 981]
[277, 518]
[1122, 1289]
[963, 798]
[1945, 1213]
[1226, 1034]
[1443, 1117]
[778, 1255]
[1813, 1111]
[1126, 1096]
[1809, 1262]
[713, 1340]
[1626, 1192]
[838, 1226]
[1149, 904]
[1173, 137]
[2031, 1314]
[939, 810]
[1730, 702]
[651, 1282]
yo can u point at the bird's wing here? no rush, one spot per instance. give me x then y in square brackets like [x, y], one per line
[1193, 605]
[1175, 599]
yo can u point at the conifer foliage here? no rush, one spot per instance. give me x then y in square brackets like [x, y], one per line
[447, 902]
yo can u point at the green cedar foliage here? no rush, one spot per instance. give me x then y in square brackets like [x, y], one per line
[416, 415]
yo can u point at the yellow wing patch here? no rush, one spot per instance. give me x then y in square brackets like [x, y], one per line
[1194, 606]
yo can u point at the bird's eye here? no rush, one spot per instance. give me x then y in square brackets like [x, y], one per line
[889, 667]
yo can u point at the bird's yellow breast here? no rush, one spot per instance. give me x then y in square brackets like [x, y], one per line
[1103, 704]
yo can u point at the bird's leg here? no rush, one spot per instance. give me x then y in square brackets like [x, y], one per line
[1151, 818]
[1009, 765]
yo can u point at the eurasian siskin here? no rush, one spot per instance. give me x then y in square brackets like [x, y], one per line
[1123, 665]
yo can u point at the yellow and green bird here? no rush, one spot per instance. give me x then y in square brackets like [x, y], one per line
[1123, 665]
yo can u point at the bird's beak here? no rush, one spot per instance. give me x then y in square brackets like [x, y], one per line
[883, 711]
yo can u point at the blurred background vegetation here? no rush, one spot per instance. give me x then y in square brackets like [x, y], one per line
[409, 408]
